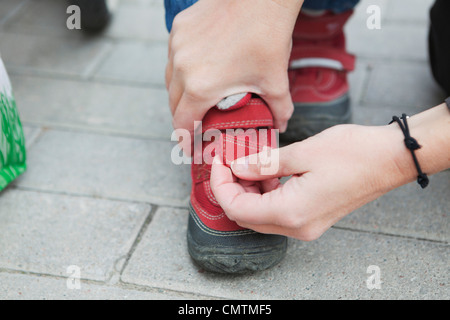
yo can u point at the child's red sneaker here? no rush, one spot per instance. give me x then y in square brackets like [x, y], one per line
[318, 74]
[216, 243]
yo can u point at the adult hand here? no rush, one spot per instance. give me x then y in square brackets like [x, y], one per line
[333, 173]
[219, 48]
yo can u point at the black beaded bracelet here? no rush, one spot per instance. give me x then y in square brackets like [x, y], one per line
[412, 145]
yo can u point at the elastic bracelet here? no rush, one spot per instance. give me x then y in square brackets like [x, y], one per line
[447, 101]
[412, 145]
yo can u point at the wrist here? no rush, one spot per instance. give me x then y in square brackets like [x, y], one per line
[400, 161]
[279, 14]
[431, 129]
[292, 6]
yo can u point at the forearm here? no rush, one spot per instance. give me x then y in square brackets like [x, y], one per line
[431, 129]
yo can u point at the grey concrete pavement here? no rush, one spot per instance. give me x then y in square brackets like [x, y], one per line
[101, 193]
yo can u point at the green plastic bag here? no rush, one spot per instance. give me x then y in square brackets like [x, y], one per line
[12, 140]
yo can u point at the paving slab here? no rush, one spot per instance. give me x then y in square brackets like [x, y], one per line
[88, 106]
[408, 211]
[42, 17]
[360, 14]
[412, 11]
[391, 42]
[135, 62]
[73, 57]
[47, 233]
[334, 267]
[138, 21]
[399, 11]
[421, 91]
[106, 166]
[9, 9]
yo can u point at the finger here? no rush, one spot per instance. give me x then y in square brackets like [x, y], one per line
[169, 66]
[268, 229]
[252, 208]
[281, 106]
[250, 186]
[270, 185]
[223, 181]
[307, 231]
[189, 112]
[272, 163]
[294, 233]
[175, 90]
[168, 74]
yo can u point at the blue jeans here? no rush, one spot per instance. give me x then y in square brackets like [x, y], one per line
[173, 7]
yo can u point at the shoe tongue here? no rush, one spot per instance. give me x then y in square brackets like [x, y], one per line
[249, 112]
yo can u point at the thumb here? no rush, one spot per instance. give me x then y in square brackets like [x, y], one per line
[281, 105]
[270, 163]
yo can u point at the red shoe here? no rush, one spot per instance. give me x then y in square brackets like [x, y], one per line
[216, 243]
[318, 75]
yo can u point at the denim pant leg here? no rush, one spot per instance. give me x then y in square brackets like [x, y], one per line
[336, 6]
[173, 7]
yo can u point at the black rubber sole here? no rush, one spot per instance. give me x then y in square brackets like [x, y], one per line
[233, 252]
[310, 119]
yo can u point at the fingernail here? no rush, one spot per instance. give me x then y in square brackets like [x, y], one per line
[240, 165]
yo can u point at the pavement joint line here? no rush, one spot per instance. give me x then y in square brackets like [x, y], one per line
[130, 83]
[37, 136]
[87, 129]
[138, 238]
[97, 62]
[4, 28]
[381, 61]
[30, 140]
[371, 104]
[129, 39]
[365, 83]
[118, 285]
[144, 288]
[13, 186]
[386, 234]
[13, 13]
[47, 275]
[389, 60]
[168, 204]
[405, 21]
[39, 73]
